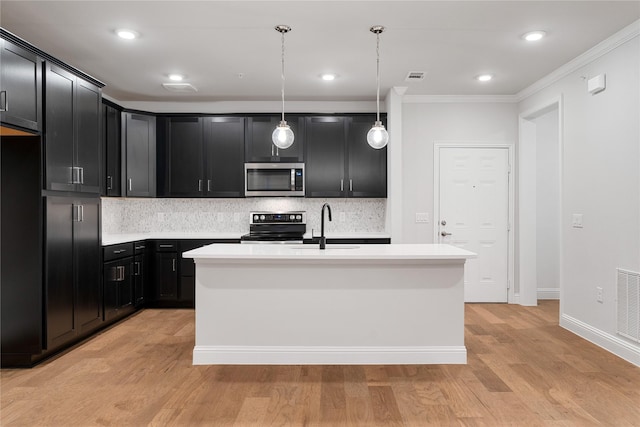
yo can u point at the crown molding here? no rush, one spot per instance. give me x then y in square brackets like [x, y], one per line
[621, 37]
[437, 99]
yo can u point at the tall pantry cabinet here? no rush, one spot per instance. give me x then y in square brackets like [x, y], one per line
[51, 264]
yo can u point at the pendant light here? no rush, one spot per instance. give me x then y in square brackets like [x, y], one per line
[377, 137]
[282, 136]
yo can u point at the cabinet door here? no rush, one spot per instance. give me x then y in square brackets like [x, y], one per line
[224, 153]
[20, 87]
[59, 288]
[367, 169]
[112, 125]
[88, 108]
[59, 127]
[166, 276]
[325, 139]
[259, 145]
[139, 279]
[87, 264]
[111, 279]
[186, 164]
[140, 140]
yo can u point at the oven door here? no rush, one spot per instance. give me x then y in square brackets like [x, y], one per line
[274, 179]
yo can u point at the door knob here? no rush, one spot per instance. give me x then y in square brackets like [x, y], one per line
[443, 222]
[445, 234]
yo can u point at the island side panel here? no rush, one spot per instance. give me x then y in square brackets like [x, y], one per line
[296, 312]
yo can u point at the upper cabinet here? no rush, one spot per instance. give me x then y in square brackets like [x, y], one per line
[259, 146]
[20, 87]
[205, 156]
[340, 162]
[139, 155]
[112, 126]
[73, 137]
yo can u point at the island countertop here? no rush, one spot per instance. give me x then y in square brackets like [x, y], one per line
[333, 252]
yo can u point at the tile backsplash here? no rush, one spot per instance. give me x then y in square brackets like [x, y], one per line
[133, 215]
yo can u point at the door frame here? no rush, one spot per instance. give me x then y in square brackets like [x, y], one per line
[511, 296]
[527, 175]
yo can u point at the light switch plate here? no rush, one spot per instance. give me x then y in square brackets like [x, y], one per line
[576, 221]
[422, 217]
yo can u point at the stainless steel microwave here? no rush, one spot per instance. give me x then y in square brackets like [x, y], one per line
[274, 179]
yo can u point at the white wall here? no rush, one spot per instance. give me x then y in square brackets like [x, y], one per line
[601, 180]
[426, 123]
[547, 205]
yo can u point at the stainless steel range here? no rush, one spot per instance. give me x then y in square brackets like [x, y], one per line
[276, 227]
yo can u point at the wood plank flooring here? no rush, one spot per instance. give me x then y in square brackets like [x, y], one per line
[523, 370]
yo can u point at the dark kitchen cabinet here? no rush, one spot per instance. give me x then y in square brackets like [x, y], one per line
[20, 87]
[140, 273]
[73, 292]
[118, 280]
[112, 127]
[72, 132]
[259, 145]
[326, 138]
[340, 162]
[166, 271]
[224, 139]
[139, 160]
[205, 156]
[367, 167]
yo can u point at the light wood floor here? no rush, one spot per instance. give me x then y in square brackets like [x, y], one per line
[523, 370]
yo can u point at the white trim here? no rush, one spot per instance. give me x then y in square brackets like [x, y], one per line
[452, 99]
[527, 282]
[325, 355]
[621, 348]
[511, 295]
[549, 293]
[602, 48]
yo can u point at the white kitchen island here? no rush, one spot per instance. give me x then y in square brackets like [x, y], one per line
[348, 304]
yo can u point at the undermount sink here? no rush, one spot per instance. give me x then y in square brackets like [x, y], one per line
[329, 247]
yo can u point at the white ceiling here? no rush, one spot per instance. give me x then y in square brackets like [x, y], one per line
[212, 42]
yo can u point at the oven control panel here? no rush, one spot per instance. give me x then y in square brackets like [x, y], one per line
[298, 217]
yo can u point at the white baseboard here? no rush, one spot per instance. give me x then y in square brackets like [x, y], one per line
[548, 293]
[300, 355]
[621, 348]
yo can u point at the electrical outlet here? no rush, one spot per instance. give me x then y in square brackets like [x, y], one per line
[599, 296]
[422, 217]
[576, 221]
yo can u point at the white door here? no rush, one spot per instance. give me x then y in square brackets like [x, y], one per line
[474, 215]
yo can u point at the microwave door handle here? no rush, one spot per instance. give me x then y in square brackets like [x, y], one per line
[293, 179]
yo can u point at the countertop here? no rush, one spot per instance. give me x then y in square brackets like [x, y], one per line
[333, 252]
[113, 239]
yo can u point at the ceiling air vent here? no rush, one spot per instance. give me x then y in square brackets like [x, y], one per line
[179, 87]
[414, 76]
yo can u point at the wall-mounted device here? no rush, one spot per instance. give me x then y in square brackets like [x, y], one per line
[596, 84]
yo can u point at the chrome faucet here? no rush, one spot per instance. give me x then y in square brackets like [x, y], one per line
[323, 240]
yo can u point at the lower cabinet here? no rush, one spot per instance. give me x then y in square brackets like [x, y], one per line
[73, 289]
[118, 280]
[140, 273]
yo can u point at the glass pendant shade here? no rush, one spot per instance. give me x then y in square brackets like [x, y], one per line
[377, 137]
[282, 136]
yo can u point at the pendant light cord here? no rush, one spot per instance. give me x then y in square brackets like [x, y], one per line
[378, 76]
[282, 75]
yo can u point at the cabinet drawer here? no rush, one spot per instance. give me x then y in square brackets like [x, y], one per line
[166, 245]
[140, 247]
[118, 251]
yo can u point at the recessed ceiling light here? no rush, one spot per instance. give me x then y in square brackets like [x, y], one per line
[484, 77]
[176, 77]
[328, 77]
[533, 36]
[127, 34]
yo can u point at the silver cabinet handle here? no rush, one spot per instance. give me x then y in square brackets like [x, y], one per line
[119, 251]
[166, 246]
[81, 213]
[81, 177]
[350, 185]
[173, 264]
[342, 185]
[445, 234]
[272, 152]
[130, 184]
[137, 268]
[208, 185]
[140, 247]
[199, 185]
[75, 213]
[4, 101]
[109, 182]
